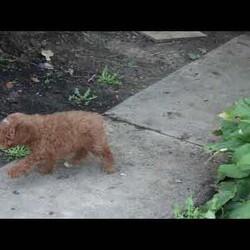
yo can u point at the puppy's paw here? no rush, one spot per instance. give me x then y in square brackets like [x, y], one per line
[110, 170]
[44, 171]
[14, 172]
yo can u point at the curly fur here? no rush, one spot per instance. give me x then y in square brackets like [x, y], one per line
[55, 136]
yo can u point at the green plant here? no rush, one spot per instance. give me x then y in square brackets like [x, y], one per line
[140, 86]
[107, 77]
[16, 152]
[47, 82]
[234, 177]
[131, 64]
[3, 62]
[232, 197]
[193, 56]
[189, 211]
[82, 98]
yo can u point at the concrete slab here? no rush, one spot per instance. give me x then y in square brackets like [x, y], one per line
[185, 103]
[160, 36]
[154, 173]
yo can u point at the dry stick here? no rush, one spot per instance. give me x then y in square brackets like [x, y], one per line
[19, 59]
[91, 78]
[212, 156]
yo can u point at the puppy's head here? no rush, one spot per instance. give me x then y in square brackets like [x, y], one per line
[13, 130]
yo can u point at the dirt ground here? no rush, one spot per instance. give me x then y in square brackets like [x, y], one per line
[27, 85]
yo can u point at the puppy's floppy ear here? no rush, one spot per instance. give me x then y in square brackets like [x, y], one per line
[11, 123]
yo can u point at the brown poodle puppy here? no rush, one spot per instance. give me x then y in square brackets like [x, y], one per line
[55, 136]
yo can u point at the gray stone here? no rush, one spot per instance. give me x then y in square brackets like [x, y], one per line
[170, 35]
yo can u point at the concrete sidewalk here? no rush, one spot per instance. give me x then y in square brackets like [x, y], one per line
[157, 137]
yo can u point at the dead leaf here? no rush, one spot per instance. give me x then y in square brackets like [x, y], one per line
[9, 85]
[47, 54]
[34, 79]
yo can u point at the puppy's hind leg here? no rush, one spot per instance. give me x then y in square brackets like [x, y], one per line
[106, 156]
[48, 166]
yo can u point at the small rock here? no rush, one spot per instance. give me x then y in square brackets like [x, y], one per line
[48, 66]
[13, 208]
[47, 54]
[122, 174]
[202, 50]
[61, 177]
[45, 66]
[34, 79]
[15, 192]
[51, 213]
[9, 85]
[67, 165]
[71, 71]
[178, 181]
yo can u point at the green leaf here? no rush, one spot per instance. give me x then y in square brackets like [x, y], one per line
[242, 155]
[230, 145]
[193, 56]
[86, 94]
[228, 128]
[240, 210]
[217, 132]
[227, 191]
[241, 110]
[232, 171]
[77, 92]
[244, 130]
[243, 189]
[210, 215]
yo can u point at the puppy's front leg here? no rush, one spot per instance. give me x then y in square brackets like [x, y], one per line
[22, 166]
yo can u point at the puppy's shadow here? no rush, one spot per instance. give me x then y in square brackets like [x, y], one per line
[90, 169]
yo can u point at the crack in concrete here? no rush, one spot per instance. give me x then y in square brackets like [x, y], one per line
[117, 119]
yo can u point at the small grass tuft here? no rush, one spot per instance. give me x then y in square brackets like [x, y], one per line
[82, 98]
[47, 83]
[107, 77]
[17, 152]
[191, 212]
[3, 62]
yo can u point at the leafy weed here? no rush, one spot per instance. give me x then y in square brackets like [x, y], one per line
[82, 98]
[17, 152]
[107, 77]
